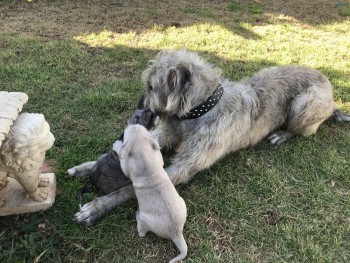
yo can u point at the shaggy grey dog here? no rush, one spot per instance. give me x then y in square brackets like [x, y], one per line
[204, 117]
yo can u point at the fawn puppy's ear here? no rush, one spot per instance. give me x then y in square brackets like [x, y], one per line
[122, 149]
[154, 144]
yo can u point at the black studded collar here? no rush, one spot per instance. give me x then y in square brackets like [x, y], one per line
[205, 106]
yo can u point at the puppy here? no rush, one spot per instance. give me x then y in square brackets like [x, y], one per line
[161, 209]
[105, 174]
[204, 116]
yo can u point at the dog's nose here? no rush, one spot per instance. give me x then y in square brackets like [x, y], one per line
[149, 110]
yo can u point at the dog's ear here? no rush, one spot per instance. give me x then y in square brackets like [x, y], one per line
[141, 104]
[178, 78]
[178, 82]
[122, 149]
[154, 144]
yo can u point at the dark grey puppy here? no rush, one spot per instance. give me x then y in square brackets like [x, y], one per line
[105, 174]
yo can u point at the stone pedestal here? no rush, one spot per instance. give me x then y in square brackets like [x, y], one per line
[17, 202]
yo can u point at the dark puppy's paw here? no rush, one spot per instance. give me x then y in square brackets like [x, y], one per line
[82, 170]
[75, 172]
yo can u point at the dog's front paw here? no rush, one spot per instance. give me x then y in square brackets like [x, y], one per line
[93, 211]
[86, 215]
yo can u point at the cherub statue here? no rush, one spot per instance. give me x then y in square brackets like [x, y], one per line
[23, 144]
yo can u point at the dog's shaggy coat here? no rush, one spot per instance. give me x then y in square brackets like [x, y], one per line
[277, 102]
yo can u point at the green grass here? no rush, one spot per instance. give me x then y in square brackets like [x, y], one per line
[80, 63]
[343, 8]
[256, 9]
[234, 6]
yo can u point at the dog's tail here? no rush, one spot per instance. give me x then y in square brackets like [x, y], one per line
[339, 115]
[181, 246]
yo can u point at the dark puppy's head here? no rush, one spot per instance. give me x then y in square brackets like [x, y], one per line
[145, 117]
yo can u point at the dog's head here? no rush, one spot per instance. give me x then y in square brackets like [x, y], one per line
[138, 150]
[177, 81]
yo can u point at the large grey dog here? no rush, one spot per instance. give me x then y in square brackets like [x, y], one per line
[204, 116]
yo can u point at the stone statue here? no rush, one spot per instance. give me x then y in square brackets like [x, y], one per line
[24, 140]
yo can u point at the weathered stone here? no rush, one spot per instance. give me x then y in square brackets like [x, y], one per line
[17, 202]
[11, 104]
[22, 153]
[24, 140]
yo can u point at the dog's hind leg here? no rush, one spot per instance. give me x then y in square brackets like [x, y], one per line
[340, 116]
[308, 111]
[142, 227]
[81, 170]
[279, 137]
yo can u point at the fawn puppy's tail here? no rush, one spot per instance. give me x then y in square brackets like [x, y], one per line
[181, 246]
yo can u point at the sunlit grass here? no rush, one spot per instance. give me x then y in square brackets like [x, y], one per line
[287, 44]
[284, 43]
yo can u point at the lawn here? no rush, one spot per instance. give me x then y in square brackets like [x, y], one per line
[80, 62]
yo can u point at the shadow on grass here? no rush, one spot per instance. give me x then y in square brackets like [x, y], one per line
[60, 19]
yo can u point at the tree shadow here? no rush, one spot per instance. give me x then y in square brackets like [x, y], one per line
[61, 19]
[317, 12]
